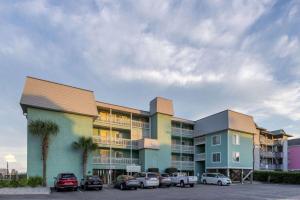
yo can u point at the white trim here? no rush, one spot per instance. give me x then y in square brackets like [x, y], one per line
[212, 156]
[228, 167]
[219, 135]
[233, 154]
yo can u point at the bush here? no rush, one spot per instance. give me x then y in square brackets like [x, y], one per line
[277, 177]
[35, 181]
[153, 170]
[171, 170]
[13, 183]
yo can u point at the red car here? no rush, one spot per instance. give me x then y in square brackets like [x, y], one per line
[65, 181]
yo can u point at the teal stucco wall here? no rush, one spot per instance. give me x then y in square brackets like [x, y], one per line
[161, 130]
[61, 157]
[222, 148]
[149, 158]
[245, 148]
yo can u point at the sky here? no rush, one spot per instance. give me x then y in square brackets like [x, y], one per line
[207, 56]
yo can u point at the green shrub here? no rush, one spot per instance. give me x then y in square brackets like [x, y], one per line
[4, 183]
[171, 170]
[277, 177]
[153, 170]
[34, 181]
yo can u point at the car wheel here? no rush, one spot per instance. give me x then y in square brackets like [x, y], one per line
[181, 184]
[100, 188]
[135, 188]
[142, 185]
[56, 189]
[191, 185]
[220, 183]
[75, 189]
[204, 182]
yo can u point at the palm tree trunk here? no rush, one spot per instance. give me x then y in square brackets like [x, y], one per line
[44, 158]
[84, 161]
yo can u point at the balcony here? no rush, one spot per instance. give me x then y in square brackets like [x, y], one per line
[140, 124]
[182, 132]
[116, 142]
[270, 166]
[266, 141]
[183, 165]
[114, 160]
[199, 140]
[199, 157]
[177, 148]
[267, 154]
[120, 123]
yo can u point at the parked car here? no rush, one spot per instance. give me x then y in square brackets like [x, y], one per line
[65, 181]
[147, 179]
[182, 179]
[215, 178]
[91, 182]
[126, 182]
[164, 180]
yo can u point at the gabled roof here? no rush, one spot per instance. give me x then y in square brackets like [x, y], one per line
[49, 95]
[225, 120]
[280, 132]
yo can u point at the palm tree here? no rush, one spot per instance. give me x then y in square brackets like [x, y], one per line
[43, 129]
[85, 144]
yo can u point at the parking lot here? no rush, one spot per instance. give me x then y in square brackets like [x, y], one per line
[233, 192]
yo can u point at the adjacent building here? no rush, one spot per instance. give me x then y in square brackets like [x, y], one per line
[294, 154]
[131, 140]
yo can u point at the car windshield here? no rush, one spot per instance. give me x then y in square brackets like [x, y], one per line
[67, 176]
[93, 177]
[222, 176]
[165, 175]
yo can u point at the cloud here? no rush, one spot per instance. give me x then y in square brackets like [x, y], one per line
[10, 158]
[287, 46]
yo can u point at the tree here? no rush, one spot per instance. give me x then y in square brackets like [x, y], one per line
[86, 145]
[44, 129]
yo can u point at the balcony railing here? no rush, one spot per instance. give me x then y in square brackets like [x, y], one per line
[177, 148]
[122, 122]
[268, 154]
[116, 142]
[183, 165]
[199, 140]
[140, 124]
[270, 166]
[114, 160]
[264, 140]
[182, 132]
[199, 157]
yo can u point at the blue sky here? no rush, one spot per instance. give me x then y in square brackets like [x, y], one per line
[205, 55]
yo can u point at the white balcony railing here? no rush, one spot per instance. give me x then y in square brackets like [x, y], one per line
[177, 148]
[199, 157]
[268, 154]
[199, 140]
[115, 121]
[140, 124]
[114, 160]
[116, 142]
[270, 166]
[182, 132]
[183, 165]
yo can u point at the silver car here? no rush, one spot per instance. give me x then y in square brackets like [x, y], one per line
[147, 179]
[215, 178]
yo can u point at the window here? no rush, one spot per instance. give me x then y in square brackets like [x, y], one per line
[236, 139]
[216, 140]
[119, 154]
[236, 156]
[216, 157]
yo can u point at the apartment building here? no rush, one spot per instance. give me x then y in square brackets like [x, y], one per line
[132, 140]
[294, 154]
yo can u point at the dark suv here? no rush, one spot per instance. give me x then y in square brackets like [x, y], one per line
[65, 181]
[91, 182]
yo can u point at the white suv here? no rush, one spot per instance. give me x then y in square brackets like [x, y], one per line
[215, 178]
[147, 179]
